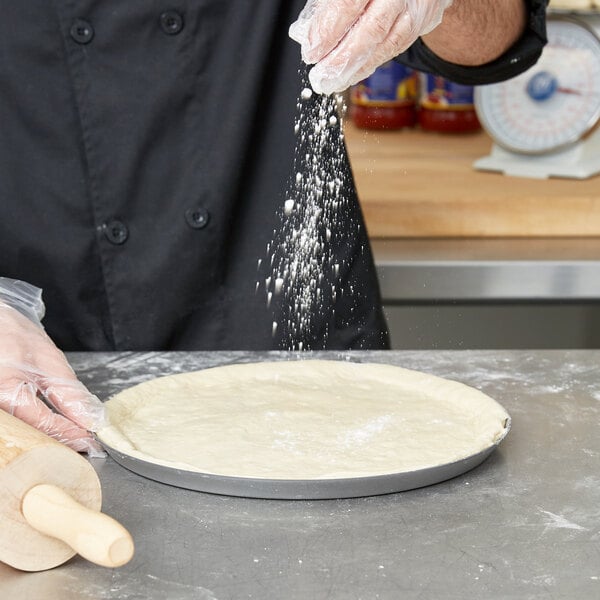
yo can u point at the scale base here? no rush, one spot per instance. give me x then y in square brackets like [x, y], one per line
[580, 161]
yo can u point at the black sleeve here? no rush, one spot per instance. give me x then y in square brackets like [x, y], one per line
[516, 60]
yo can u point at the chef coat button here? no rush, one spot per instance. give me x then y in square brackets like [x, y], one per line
[197, 218]
[81, 31]
[116, 232]
[171, 22]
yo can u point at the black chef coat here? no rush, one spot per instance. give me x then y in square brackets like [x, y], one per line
[145, 151]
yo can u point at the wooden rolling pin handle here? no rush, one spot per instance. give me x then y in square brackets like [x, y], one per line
[96, 536]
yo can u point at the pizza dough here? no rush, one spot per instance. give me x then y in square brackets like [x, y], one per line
[303, 420]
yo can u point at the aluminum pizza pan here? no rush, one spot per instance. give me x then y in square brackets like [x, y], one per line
[302, 489]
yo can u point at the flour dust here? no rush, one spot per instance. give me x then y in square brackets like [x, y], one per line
[303, 274]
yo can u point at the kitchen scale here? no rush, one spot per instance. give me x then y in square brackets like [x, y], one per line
[545, 122]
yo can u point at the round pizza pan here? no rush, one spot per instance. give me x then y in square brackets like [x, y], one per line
[299, 489]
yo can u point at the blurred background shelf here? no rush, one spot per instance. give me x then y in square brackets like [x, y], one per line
[477, 260]
[416, 184]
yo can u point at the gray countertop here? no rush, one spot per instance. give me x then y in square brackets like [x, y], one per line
[524, 524]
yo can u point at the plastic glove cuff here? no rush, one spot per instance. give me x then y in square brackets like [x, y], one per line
[23, 297]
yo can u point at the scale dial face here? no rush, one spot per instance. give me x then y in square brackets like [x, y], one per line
[555, 103]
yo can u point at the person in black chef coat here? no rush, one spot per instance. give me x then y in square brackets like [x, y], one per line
[145, 154]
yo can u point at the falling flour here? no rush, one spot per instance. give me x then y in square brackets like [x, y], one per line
[304, 275]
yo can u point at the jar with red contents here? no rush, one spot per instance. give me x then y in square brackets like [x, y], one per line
[386, 99]
[446, 106]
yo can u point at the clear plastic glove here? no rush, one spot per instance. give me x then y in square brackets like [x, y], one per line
[34, 373]
[347, 40]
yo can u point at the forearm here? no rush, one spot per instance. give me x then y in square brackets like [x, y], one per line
[475, 32]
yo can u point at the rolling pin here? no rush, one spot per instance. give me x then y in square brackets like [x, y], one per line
[50, 500]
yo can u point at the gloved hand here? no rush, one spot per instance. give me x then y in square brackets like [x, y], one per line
[347, 40]
[32, 368]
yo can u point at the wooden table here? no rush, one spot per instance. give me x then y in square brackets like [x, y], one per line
[417, 184]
